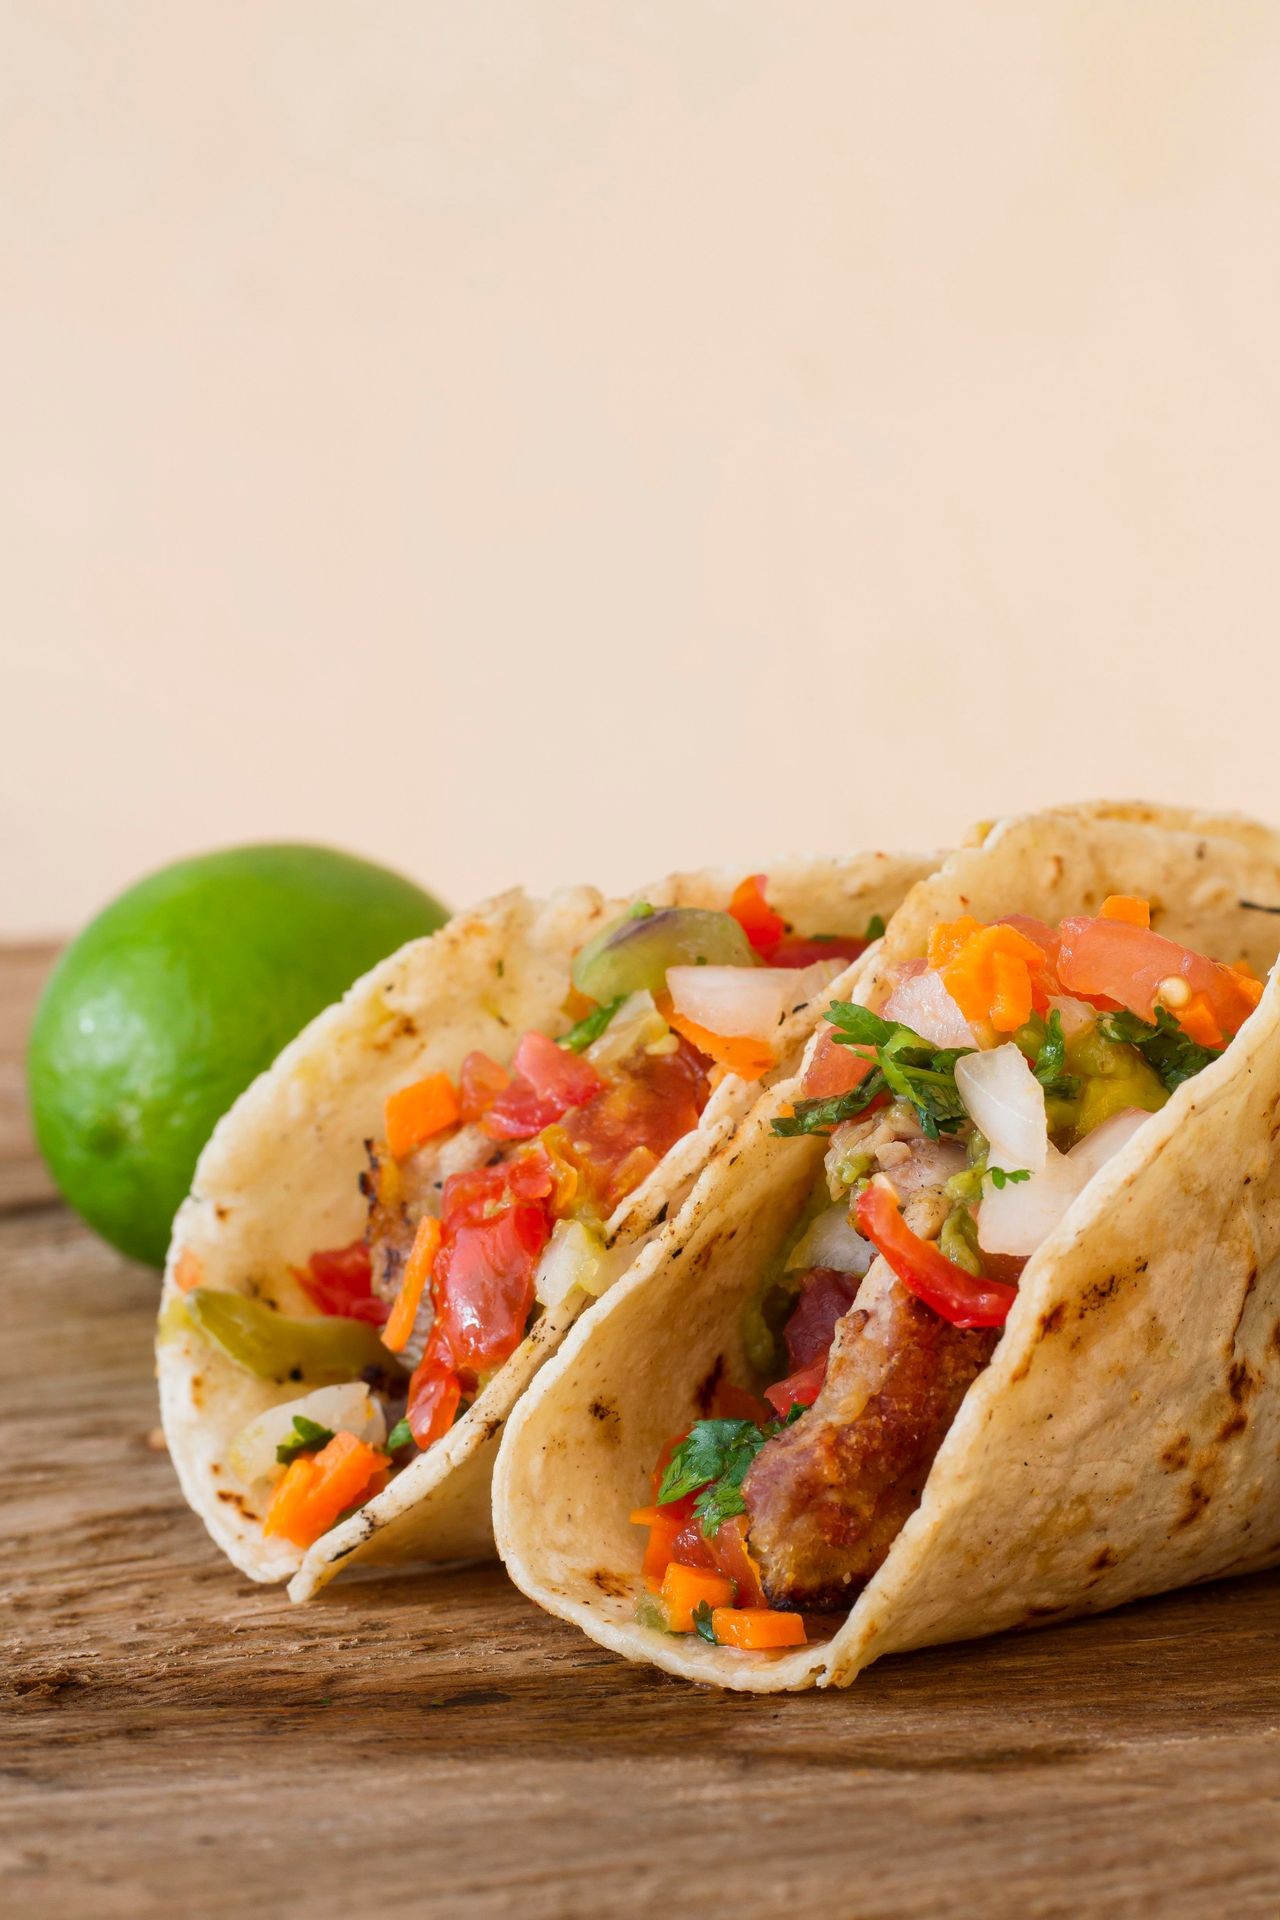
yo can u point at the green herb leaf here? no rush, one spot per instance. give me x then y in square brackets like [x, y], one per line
[715, 1457]
[306, 1436]
[400, 1436]
[908, 1066]
[1049, 1065]
[640, 911]
[1163, 1044]
[590, 1027]
[701, 1617]
[1008, 1176]
[875, 928]
[820, 1116]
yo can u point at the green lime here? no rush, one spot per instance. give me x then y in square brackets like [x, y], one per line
[169, 1003]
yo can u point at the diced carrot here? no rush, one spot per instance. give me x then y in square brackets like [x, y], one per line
[188, 1271]
[318, 1487]
[1126, 906]
[417, 1112]
[1011, 999]
[756, 1628]
[1197, 1022]
[989, 974]
[684, 1588]
[1248, 982]
[737, 1053]
[946, 941]
[417, 1272]
[663, 1527]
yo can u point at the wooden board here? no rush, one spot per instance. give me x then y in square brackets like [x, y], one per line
[179, 1742]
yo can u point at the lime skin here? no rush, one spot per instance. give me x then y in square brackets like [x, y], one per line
[170, 1002]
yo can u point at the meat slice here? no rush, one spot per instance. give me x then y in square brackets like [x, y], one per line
[827, 1498]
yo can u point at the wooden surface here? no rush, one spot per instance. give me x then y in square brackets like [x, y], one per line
[177, 1741]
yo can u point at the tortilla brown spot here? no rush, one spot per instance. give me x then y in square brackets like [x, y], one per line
[1051, 1321]
[1197, 1501]
[1105, 1557]
[1176, 1454]
[706, 1390]
[1234, 1423]
[610, 1583]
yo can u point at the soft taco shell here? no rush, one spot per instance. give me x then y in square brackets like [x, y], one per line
[279, 1179]
[1123, 1439]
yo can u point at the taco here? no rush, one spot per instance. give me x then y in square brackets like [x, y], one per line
[396, 1224]
[975, 1323]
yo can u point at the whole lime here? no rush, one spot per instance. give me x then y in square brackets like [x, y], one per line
[169, 1003]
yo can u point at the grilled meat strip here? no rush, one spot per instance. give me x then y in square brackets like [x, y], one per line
[828, 1496]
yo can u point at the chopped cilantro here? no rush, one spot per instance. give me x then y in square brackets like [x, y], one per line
[1008, 1176]
[875, 928]
[400, 1436]
[306, 1436]
[640, 911]
[1050, 1062]
[701, 1617]
[903, 1063]
[715, 1457]
[590, 1027]
[1163, 1045]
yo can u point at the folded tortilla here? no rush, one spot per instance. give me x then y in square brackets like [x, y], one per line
[1123, 1438]
[279, 1178]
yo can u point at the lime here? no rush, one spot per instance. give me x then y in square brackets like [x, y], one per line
[169, 1003]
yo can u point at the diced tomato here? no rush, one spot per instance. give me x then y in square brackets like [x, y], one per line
[763, 927]
[434, 1393]
[1129, 964]
[616, 1140]
[729, 1553]
[799, 1389]
[795, 951]
[735, 1403]
[339, 1280]
[548, 1082]
[480, 1081]
[482, 1286]
[834, 1069]
[952, 1293]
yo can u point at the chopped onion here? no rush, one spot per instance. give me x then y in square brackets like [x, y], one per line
[922, 1002]
[1018, 1217]
[576, 1256]
[637, 1023]
[1005, 1101]
[1076, 1014]
[347, 1408]
[832, 1241]
[745, 1003]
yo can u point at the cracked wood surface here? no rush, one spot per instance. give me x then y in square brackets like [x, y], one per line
[176, 1741]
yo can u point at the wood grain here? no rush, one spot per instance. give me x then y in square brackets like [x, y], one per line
[178, 1742]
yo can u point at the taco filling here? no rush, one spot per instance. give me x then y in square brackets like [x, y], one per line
[494, 1193]
[965, 1114]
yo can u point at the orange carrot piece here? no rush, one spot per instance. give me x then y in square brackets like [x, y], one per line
[736, 1053]
[318, 1487]
[1197, 1021]
[663, 1528]
[1127, 907]
[417, 1112]
[684, 1588]
[756, 1628]
[417, 1272]
[946, 940]
[989, 975]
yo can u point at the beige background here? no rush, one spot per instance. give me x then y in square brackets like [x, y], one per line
[540, 440]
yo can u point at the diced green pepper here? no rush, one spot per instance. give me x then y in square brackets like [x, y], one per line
[274, 1346]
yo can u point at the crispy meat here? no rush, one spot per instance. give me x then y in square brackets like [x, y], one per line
[828, 1497]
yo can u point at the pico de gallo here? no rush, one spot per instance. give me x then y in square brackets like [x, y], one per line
[964, 1115]
[491, 1195]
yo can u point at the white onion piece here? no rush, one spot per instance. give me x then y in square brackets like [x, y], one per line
[1005, 1101]
[637, 1023]
[347, 1408]
[923, 1003]
[1076, 1014]
[832, 1241]
[576, 1256]
[1104, 1143]
[1017, 1218]
[745, 1003]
